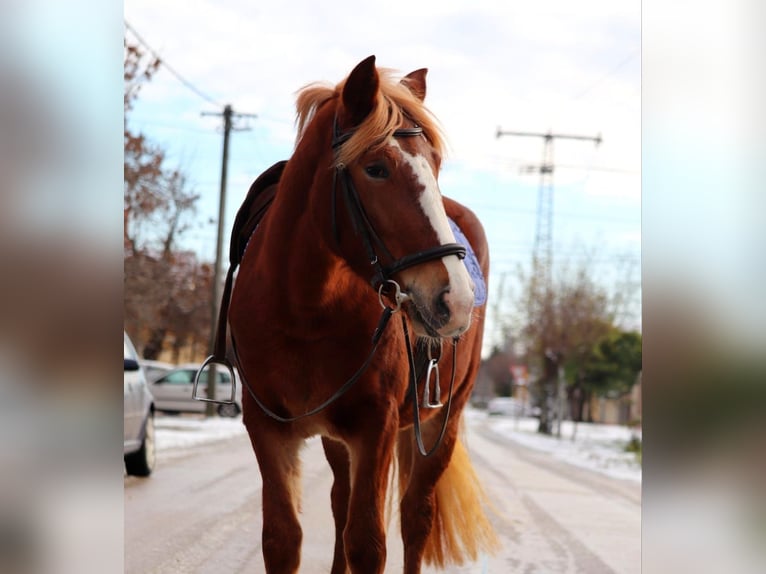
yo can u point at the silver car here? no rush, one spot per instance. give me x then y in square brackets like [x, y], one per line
[155, 369]
[173, 391]
[138, 420]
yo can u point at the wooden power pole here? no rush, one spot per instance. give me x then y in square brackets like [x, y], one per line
[228, 114]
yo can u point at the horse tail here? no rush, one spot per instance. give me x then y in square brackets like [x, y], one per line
[461, 528]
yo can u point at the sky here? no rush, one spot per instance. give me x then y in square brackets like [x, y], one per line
[569, 68]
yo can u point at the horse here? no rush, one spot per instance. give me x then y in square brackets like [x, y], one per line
[349, 232]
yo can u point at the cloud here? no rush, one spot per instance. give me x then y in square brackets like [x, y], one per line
[570, 68]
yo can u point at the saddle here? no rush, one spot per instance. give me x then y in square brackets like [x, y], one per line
[251, 212]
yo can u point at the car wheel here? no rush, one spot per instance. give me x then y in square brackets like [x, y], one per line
[228, 410]
[141, 462]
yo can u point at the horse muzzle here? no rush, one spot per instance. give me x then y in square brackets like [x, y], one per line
[447, 314]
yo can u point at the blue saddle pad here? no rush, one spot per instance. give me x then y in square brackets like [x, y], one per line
[472, 265]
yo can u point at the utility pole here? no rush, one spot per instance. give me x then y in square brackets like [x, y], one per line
[228, 114]
[499, 331]
[543, 246]
[542, 263]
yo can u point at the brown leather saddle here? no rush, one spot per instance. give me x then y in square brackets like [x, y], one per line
[251, 212]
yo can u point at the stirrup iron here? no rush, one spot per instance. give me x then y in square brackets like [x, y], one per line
[433, 367]
[212, 359]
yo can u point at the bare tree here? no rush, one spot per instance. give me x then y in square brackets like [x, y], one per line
[143, 162]
[559, 323]
[166, 290]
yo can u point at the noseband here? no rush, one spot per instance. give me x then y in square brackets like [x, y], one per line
[364, 227]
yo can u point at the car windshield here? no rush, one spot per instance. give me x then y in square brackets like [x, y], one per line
[127, 350]
[186, 377]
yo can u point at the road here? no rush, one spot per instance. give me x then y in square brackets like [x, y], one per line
[200, 512]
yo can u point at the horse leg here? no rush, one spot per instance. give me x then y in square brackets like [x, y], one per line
[418, 476]
[337, 456]
[278, 459]
[371, 452]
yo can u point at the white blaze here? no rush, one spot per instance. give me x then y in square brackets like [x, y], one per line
[431, 204]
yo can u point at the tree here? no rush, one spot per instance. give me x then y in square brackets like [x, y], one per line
[613, 363]
[168, 299]
[143, 162]
[559, 324]
[497, 370]
[166, 290]
[156, 198]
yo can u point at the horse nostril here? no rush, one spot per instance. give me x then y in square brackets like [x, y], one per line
[441, 307]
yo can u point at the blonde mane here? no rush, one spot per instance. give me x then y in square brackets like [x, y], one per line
[395, 102]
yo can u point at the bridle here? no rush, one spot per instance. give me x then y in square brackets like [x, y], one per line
[364, 227]
[381, 280]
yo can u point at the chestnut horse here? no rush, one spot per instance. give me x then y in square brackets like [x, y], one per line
[356, 231]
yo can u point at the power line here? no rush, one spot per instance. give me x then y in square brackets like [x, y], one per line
[172, 70]
[523, 163]
[600, 168]
[496, 207]
[175, 127]
[614, 70]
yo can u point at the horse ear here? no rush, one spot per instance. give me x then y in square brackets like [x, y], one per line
[360, 91]
[416, 82]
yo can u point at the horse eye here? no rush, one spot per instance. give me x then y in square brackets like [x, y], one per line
[377, 171]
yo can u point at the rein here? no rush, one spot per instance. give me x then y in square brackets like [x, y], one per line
[384, 318]
[380, 280]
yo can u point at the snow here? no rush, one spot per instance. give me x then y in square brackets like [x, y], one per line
[597, 447]
[179, 432]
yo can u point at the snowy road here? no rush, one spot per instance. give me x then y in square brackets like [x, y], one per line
[200, 512]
